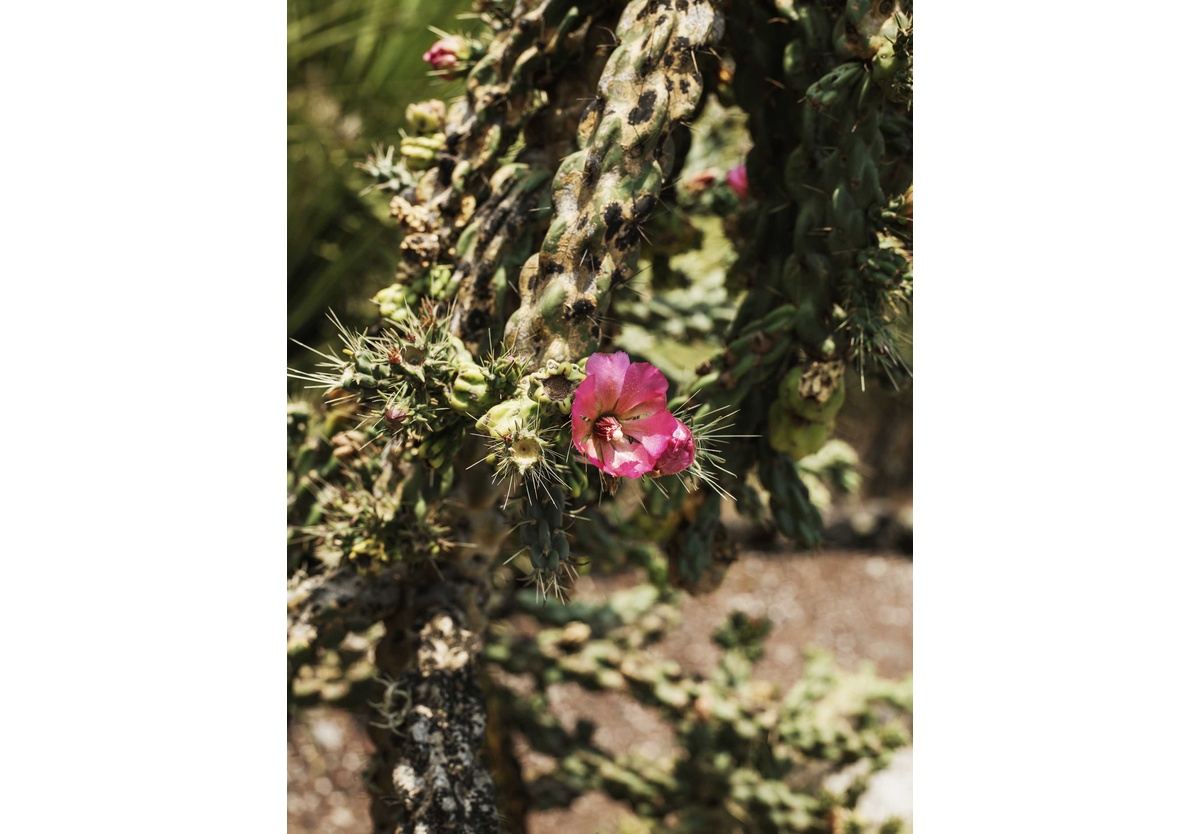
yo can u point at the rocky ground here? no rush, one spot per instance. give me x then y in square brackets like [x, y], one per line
[857, 605]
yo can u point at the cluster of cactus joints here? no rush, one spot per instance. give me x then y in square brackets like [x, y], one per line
[482, 202]
[546, 546]
[374, 492]
[752, 759]
[525, 86]
[534, 45]
[826, 271]
[607, 189]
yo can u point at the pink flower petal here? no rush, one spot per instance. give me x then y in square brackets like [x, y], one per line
[584, 411]
[591, 450]
[737, 180]
[608, 369]
[643, 391]
[625, 458]
[653, 431]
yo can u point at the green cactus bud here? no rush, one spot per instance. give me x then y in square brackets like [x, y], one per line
[795, 71]
[393, 299]
[501, 420]
[467, 398]
[562, 547]
[793, 435]
[421, 152]
[426, 117]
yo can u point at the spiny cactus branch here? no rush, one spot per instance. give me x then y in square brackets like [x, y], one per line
[604, 191]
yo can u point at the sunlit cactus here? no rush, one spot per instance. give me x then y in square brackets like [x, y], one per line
[569, 230]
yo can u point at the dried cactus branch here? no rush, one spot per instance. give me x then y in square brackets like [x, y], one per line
[436, 779]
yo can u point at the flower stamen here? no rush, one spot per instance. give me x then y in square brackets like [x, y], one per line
[608, 428]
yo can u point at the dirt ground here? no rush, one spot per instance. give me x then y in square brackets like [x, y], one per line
[856, 605]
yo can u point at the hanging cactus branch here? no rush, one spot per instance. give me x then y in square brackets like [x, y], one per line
[606, 189]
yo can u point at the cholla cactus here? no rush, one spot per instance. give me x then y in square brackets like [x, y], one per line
[487, 410]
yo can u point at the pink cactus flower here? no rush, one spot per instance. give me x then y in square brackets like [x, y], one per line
[619, 418]
[679, 454]
[447, 55]
[736, 179]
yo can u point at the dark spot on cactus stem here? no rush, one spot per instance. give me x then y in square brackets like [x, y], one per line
[612, 220]
[668, 60]
[760, 342]
[591, 166]
[629, 239]
[684, 86]
[553, 268]
[477, 321]
[581, 309]
[643, 205]
[482, 287]
[595, 331]
[490, 226]
[645, 106]
[660, 20]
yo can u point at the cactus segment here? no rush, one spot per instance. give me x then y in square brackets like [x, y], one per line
[606, 189]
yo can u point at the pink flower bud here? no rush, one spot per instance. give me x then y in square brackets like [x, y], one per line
[395, 415]
[447, 56]
[736, 179]
[679, 454]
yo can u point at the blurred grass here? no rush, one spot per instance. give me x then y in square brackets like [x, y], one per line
[353, 67]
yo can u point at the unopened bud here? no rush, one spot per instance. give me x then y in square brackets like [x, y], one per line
[395, 415]
[736, 179]
[426, 117]
[448, 56]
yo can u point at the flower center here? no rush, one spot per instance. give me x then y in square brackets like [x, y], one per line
[608, 427]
